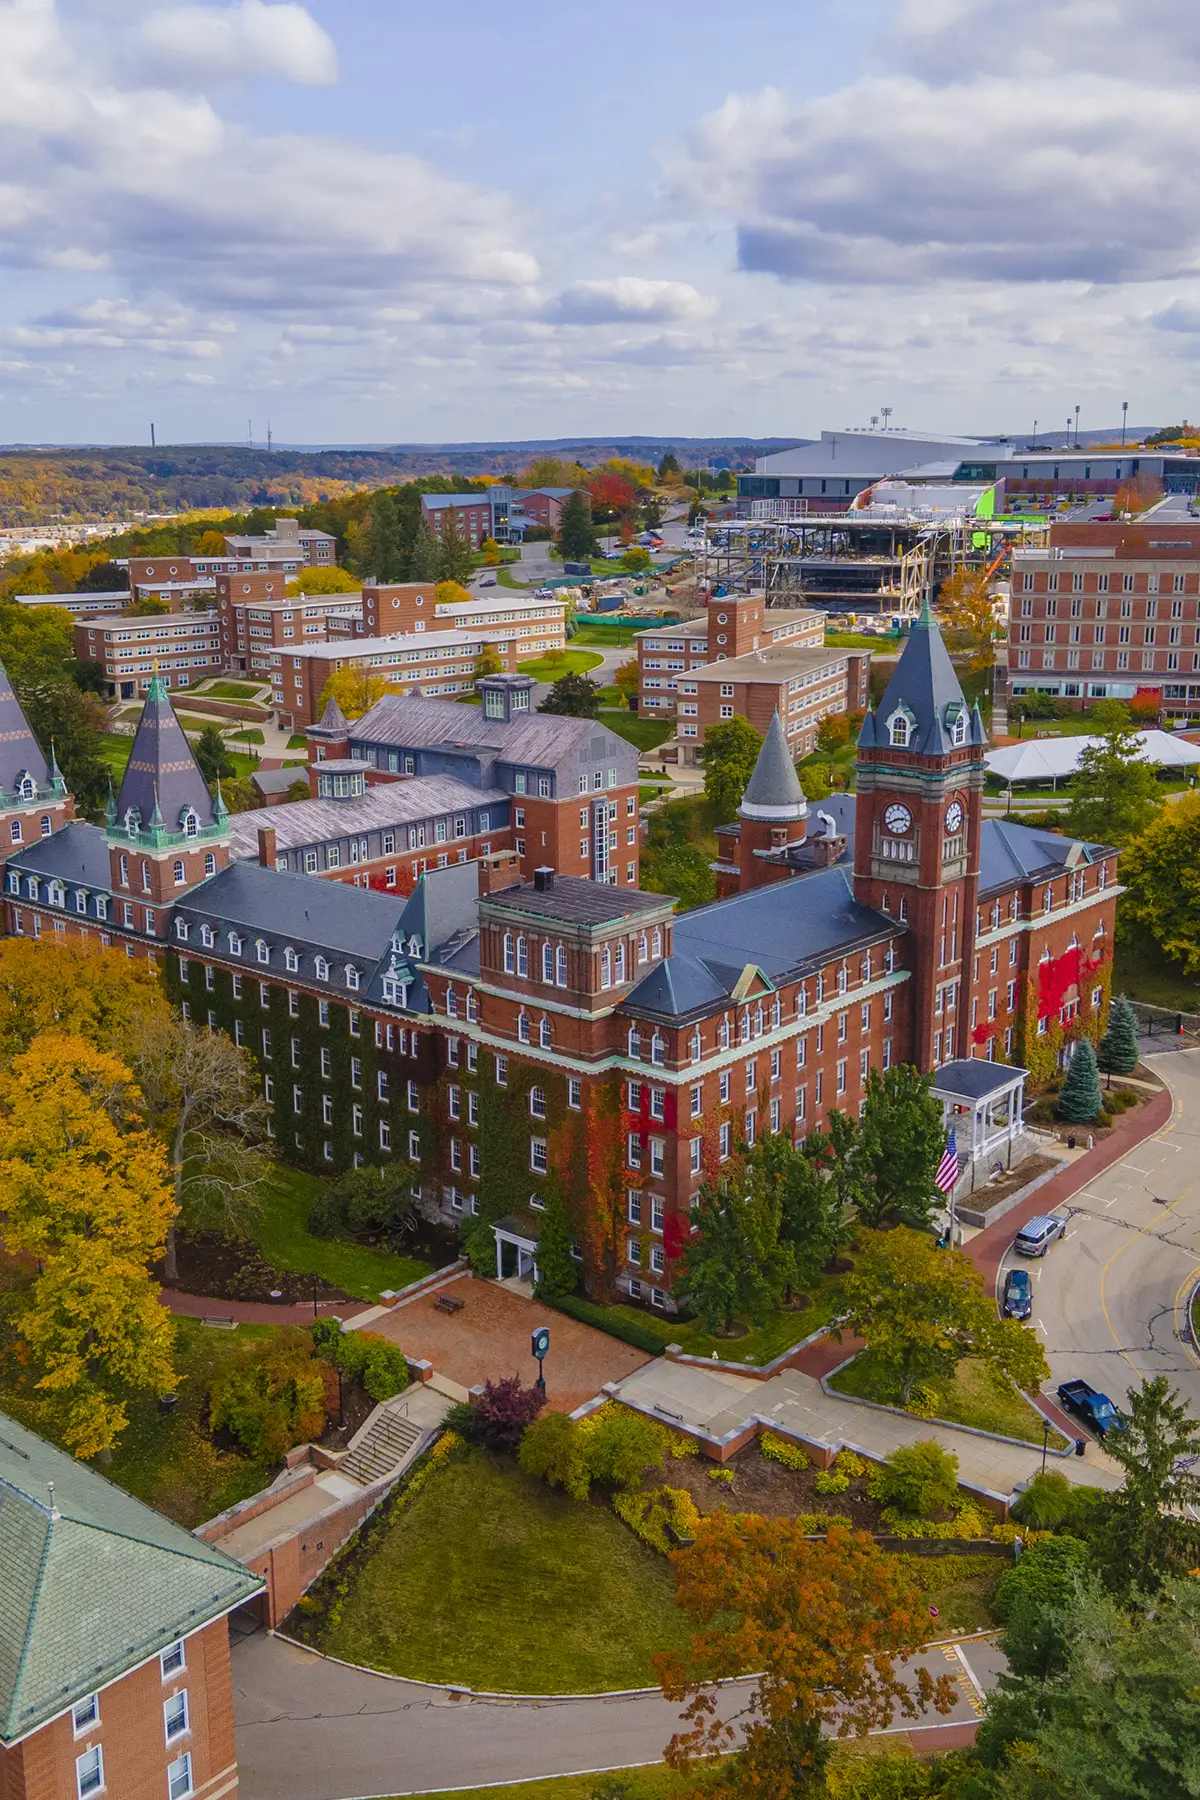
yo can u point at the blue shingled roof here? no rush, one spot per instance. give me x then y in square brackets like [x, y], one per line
[924, 683]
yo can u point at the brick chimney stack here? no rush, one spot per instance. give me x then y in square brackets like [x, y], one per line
[266, 846]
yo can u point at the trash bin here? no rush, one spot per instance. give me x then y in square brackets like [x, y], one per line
[1080, 1446]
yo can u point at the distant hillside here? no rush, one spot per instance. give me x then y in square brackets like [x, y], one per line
[38, 486]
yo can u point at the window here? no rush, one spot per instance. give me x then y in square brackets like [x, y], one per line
[89, 1772]
[539, 1160]
[574, 1092]
[179, 1777]
[85, 1713]
[175, 1715]
[172, 1658]
[537, 1102]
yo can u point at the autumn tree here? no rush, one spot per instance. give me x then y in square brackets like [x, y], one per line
[488, 662]
[921, 1310]
[491, 553]
[1114, 793]
[452, 593]
[203, 1096]
[148, 607]
[72, 987]
[85, 1191]
[1161, 872]
[627, 678]
[828, 1622]
[453, 550]
[356, 691]
[728, 755]
[322, 578]
[1135, 494]
[613, 496]
[832, 733]
[968, 616]
[636, 560]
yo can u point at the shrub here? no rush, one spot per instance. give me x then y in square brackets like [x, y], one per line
[968, 1521]
[1046, 1502]
[649, 1337]
[850, 1463]
[374, 1362]
[923, 1400]
[324, 1215]
[830, 1481]
[917, 1479]
[783, 1451]
[621, 1446]
[613, 1445]
[1044, 1575]
[720, 1473]
[503, 1410]
[479, 1247]
[363, 1202]
[552, 1450]
[272, 1400]
[655, 1516]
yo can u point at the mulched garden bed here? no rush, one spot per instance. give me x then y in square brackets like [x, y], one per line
[762, 1486]
[235, 1269]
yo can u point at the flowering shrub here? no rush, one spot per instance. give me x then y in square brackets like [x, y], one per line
[718, 1472]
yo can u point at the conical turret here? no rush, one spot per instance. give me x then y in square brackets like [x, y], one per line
[923, 708]
[773, 812]
[161, 776]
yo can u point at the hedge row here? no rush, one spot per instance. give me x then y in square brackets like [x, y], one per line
[653, 1339]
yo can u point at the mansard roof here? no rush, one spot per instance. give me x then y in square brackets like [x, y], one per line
[326, 916]
[773, 791]
[77, 853]
[537, 739]
[781, 929]
[925, 686]
[299, 823]
[19, 753]
[161, 776]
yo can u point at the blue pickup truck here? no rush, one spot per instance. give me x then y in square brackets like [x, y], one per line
[1095, 1409]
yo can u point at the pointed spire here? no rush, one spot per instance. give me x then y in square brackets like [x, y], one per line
[867, 734]
[19, 751]
[55, 771]
[925, 686]
[161, 781]
[978, 728]
[773, 791]
[156, 818]
[220, 810]
[110, 810]
[333, 718]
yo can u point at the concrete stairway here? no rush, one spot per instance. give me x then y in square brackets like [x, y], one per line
[383, 1449]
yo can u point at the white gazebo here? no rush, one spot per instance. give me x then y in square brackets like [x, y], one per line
[984, 1104]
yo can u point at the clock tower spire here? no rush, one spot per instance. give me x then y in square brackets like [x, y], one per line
[918, 817]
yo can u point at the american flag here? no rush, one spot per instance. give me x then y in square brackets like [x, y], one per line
[947, 1172]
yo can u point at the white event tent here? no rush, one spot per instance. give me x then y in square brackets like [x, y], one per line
[1054, 758]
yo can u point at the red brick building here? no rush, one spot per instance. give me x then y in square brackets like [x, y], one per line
[115, 1676]
[1109, 611]
[573, 1040]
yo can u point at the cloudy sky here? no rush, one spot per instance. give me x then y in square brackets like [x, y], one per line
[377, 220]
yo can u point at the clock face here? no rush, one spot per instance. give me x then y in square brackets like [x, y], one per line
[954, 816]
[898, 819]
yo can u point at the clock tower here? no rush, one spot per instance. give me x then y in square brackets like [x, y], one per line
[918, 815]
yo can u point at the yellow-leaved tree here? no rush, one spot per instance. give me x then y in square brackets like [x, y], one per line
[70, 986]
[355, 691]
[968, 615]
[85, 1190]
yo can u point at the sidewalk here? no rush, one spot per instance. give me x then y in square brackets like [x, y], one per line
[254, 1312]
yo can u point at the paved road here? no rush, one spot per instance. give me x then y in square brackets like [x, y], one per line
[1110, 1300]
[308, 1729]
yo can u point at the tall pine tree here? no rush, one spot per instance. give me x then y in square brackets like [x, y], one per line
[453, 551]
[423, 558]
[1079, 1098]
[1118, 1053]
[383, 539]
[576, 537]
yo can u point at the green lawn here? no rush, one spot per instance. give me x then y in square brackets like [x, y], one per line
[568, 662]
[282, 1234]
[609, 637]
[975, 1397]
[114, 751]
[650, 790]
[653, 1782]
[231, 690]
[504, 579]
[961, 1587]
[490, 1579]
[297, 741]
[1142, 972]
[860, 640]
[167, 1459]
[646, 734]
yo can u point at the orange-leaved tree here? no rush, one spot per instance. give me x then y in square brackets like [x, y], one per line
[825, 1624]
[86, 1193]
[71, 986]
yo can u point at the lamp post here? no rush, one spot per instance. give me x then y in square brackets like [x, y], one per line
[1045, 1442]
[1124, 419]
[314, 1285]
[1077, 428]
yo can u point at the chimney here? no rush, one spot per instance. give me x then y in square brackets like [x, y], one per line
[543, 880]
[266, 846]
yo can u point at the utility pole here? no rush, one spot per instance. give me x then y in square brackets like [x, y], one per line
[250, 433]
[1124, 419]
[152, 445]
[1077, 428]
[268, 437]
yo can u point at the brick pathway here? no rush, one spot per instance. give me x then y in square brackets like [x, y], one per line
[489, 1340]
[253, 1312]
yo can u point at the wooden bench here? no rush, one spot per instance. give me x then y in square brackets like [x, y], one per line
[446, 1303]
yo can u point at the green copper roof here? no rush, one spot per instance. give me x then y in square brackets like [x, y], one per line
[92, 1582]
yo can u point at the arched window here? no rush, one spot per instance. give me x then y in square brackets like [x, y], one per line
[124, 871]
[181, 929]
[560, 965]
[177, 871]
[451, 1003]
[958, 727]
[545, 1036]
[635, 1041]
[694, 1045]
[643, 949]
[191, 822]
[523, 1027]
[656, 942]
[352, 977]
[606, 967]
[843, 979]
[26, 788]
[207, 937]
[133, 819]
[522, 956]
[210, 863]
[619, 965]
[899, 728]
[145, 877]
[14, 831]
[262, 951]
[290, 959]
[322, 969]
[658, 1049]
[510, 961]
[235, 944]
[547, 962]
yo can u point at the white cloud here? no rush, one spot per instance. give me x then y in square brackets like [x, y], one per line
[628, 298]
[195, 46]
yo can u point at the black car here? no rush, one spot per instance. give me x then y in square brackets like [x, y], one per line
[1018, 1295]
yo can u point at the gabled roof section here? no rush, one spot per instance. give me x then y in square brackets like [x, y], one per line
[1010, 853]
[19, 753]
[94, 1581]
[161, 775]
[773, 791]
[926, 687]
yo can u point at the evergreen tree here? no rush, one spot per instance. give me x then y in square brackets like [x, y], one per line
[212, 758]
[423, 557]
[573, 697]
[1079, 1098]
[453, 551]
[902, 1138]
[382, 553]
[668, 466]
[557, 1268]
[576, 538]
[1118, 1053]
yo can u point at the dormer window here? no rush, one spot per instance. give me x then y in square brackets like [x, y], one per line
[26, 787]
[958, 725]
[290, 959]
[235, 944]
[262, 951]
[353, 979]
[14, 882]
[207, 936]
[190, 820]
[414, 945]
[900, 727]
[322, 969]
[181, 930]
[55, 893]
[133, 820]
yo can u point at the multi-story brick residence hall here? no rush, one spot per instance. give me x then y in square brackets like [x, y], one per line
[1109, 611]
[578, 1041]
[114, 1648]
[748, 659]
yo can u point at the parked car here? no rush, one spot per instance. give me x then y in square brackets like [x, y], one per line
[1017, 1302]
[487, 581]
[1095, 1409]
[1035, 1238]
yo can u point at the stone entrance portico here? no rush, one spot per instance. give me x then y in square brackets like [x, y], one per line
[984, 1104]
[518, 1236]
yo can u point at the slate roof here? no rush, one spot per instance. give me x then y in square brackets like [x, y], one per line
[1009, 853]
[925, 683]
[780, 929]
[537, 739]
[296, 909]
[575, 901]
[162, 771]
[773, 790]
[276, 781]
[77, 852]
[94, 1581]
[19, 753]
[301, 822]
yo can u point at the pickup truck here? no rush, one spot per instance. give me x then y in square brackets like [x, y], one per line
[1095, 1409]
